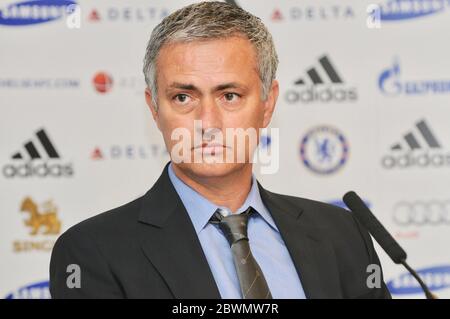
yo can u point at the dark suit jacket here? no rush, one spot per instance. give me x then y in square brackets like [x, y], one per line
[148, 248]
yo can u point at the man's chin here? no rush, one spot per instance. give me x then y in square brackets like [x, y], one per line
[204, 169]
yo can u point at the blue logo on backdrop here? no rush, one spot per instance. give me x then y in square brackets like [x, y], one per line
[390, 83]
[34, 12]
[394, 10]
[37, 290]
[436, 278]
[340, 203]
[324, 150]
[265, 141]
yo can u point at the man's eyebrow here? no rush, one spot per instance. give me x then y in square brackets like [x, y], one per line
[230, 85]
[184, 86]
[191, 87]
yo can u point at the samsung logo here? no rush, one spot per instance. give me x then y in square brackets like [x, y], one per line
[394, 10]
[39, 290]
[436, 278]
[34, 12]
[340, 203]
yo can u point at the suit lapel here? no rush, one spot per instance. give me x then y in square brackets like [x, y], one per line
[171, 244]
[313, 256]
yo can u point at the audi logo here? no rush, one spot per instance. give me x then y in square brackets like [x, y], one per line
[433, 212]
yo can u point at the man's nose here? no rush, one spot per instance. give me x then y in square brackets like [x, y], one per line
[209, 113]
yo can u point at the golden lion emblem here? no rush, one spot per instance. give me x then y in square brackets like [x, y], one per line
[48, 218]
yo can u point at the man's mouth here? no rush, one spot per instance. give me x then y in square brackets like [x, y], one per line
[211, 148]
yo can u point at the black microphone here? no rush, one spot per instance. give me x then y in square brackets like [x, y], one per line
[381, 235]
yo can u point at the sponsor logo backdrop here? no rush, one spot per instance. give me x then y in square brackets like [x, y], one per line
[364, 105]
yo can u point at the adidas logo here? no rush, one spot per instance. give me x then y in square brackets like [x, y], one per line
[316, 78]
[419, 148]
[413, 142]
[322, 83]
[33, 152]
[34, 158]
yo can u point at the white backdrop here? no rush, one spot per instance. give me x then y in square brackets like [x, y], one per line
[76, 137]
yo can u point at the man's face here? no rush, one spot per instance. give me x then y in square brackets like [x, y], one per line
[215, 81]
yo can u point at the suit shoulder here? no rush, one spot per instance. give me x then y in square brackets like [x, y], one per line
[319, 209]
[318, 213]
[338, 222]
[107, 225]
[94, 245]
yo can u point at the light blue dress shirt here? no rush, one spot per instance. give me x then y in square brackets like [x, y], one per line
[266, 244]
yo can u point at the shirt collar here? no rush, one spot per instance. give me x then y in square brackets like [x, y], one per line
[201, 209]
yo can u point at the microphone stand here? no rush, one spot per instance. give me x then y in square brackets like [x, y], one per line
[426, 290]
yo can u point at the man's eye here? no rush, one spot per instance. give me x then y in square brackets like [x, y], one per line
[182, 98]
[230, 97]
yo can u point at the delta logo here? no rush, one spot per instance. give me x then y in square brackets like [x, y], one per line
[418, 148]
[43, 226]
[27, 13]
[128, 152]
[38, 158]
[126, 14]
[322, 83]
[313, 13]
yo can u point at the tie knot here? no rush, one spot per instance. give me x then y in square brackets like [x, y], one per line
[233, 226]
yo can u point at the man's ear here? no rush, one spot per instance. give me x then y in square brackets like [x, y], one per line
[270, 102]
[152, 106]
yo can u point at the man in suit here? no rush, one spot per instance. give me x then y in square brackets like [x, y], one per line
[208, 229]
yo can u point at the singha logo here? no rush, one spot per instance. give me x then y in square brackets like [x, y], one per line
[46, 219]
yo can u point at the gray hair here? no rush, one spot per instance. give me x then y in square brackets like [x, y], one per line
[212, 20]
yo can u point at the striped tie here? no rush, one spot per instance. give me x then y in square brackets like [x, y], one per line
[251, 278]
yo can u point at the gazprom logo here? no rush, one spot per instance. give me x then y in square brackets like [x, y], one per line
[436, 278]
[390, 83]
[34, 12]
[393, 10]
[38, 290]
[389, 80]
